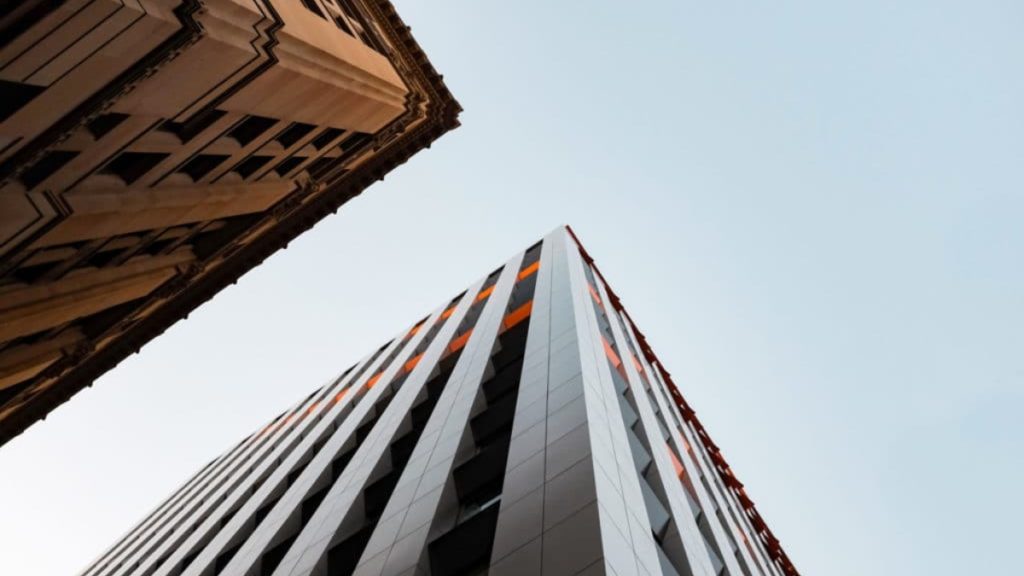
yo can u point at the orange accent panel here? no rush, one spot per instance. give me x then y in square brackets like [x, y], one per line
[518, 315]
[312, 407]
[448, 312]
[340, 395]
[770, 542]
[412, 363]
[637, 364]
[594, 295]
[373, 380]
[529, 270]
[484, 293]
[414, 330]
[610, 353]
[459, 342]
[680, 471]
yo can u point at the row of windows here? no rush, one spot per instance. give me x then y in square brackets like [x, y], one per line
[687, 482]
[162, 525]
[282, 435]
[129, 166]
[464, 546]
[347, 18]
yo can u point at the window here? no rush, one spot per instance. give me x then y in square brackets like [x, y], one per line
[251, 164]
[130, 166]
[45, 167]
[251, 128]
[312, 6]
[326, 137]
[289, 164]
[104, 123]
[294, 133]
[201, 165]
[185, 131]
[16, 96]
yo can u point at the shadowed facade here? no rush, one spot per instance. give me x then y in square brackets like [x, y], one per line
[151, 152]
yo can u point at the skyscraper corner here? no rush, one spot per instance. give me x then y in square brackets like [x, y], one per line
[522, 427]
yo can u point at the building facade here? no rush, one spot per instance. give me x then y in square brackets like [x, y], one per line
[153, 151]
[524, 427]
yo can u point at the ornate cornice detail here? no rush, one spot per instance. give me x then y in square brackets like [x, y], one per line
[430, 111]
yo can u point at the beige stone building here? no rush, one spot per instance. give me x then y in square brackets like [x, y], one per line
[153, 151]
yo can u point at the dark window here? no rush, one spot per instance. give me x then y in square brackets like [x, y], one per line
[466, 547]
[376, 495]
[15, 96]
[251, 128]
[273, 557]
[340, 22]
[339, 463]
[362, 28]
[320, 165]
[187, 130]
[188, 559]
[130, 166]
[46, 166]
[100, 125]
[310, 504]
[343, 558]
[265, 509]
[251, 164]
[312, 7]
[202, 164]
[294, 133]
[326, 137]
[225, 558]
[356, 140]
[288, 165]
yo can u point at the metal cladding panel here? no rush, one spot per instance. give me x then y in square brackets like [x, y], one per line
[263, 490]
[696, 553]
[525, 427]
[160, 511]
[225, 478]
[313, 542]
[440, 443]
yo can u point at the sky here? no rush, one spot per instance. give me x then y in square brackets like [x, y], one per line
[813, 210]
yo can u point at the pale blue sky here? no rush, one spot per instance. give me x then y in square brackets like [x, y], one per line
[814, 211]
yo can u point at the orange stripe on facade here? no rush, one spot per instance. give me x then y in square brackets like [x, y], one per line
[594, 295]
[312, 407]
[412, 363]
[459, 342]
[770, 542]
[340, 395]
[373, 380]
[680, 471]
[637, 364]
[518, 315]
[529, 270]
[610, 353]
[484, 293]
[448, 312]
